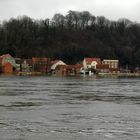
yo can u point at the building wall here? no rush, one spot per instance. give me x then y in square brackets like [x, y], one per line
[53, 67]
[90, 63]
[60, 70]
[7, 68]
[102, 68]
[85, 64]
[93, 64]
[112, 63]
[25, 66]
[41, 65]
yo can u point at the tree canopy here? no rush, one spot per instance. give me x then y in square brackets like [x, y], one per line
[72, 37]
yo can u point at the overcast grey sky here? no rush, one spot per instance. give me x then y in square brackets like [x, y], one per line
[111, 9]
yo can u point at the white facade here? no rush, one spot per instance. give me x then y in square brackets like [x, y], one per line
[85, 64]
[93, 64]
[89, 65]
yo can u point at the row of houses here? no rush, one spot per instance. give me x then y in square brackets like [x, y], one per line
[8, 64]
[96, 65]
[89, 66]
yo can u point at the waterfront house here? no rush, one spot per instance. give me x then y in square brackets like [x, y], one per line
[23, 65]
[113, 65]
[68, 69]
[104, 68]
[89, 63]
[7, 63]
[7, 58]
[18, 64]
[41, 64]
[79, 68]
[60, 70]
[71, 70]
[55, 63]
[7, 68]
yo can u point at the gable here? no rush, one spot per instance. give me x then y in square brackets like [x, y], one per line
[8, 59]
[58, 62]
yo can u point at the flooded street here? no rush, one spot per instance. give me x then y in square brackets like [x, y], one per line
[69, 108]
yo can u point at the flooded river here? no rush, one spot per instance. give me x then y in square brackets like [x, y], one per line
[69, 108]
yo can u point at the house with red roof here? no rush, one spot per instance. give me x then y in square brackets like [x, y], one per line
[68, 69]
[89, 63]
[104, 68]
[74, 69]
[7, 63]
[7, 58]
[113, 65]
[41, 64]
[60, 70]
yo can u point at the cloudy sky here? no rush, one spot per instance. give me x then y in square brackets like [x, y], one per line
[111, 9]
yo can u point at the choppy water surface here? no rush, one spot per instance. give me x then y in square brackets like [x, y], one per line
[68, 108]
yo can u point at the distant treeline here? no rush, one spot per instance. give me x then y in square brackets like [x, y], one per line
[72, 37]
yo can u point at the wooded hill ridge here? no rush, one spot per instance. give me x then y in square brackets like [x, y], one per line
[72, 37]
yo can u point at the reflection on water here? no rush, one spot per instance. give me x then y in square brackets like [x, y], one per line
[67, 108]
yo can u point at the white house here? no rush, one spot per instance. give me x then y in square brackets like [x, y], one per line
[91, 62]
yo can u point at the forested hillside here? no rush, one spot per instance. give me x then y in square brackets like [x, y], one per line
[72, 37]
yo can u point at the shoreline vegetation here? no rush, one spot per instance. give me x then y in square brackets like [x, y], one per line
[72, 37]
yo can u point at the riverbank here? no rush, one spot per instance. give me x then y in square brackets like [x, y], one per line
[119, 75]
[100, 75]
[129, 75]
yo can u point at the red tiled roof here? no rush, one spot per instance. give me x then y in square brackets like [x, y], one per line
[90, 60]
[37, 59]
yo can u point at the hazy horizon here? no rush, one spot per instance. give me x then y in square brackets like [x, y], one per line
[41, 9]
